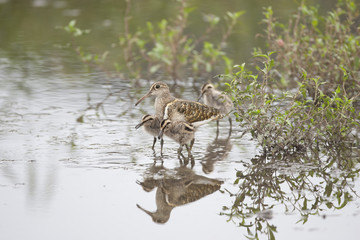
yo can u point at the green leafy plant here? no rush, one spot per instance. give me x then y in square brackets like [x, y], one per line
[162, 49]
[299, 102]
[290, 122]
[92, 60]
[326, 47]
[294, 102]
[165, 48]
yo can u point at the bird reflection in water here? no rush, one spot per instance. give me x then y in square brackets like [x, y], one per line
[217, 150]
[175, 187]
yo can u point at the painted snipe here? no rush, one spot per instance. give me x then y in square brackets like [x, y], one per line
[216, 99]
[182, 133]
[178, 189]
[151, 125]
[169, 107]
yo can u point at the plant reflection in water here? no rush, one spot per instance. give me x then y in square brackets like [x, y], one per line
[306, 185]
[175, 187]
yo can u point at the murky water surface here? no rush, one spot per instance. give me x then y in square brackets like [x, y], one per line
[60, 179]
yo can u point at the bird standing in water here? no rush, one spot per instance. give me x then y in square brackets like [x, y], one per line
[182, 115]
[151, 125]
[169, 107]
[216, 99]
[182, 133]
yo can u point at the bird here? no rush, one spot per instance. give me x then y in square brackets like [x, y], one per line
[162, 95]
[182, 133]
[216, 99]
[172, 193]
[174, 190]
[151, 125]
[169, 107]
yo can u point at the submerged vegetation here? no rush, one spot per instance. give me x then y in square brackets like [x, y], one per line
[299, 100]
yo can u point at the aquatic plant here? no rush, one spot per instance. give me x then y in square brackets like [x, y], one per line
[162, 49]
[290, 122]
[303, 113]
[165, 48]
[322, 46]
[287, 119]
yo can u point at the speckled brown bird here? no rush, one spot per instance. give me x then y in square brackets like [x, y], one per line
[167, 106]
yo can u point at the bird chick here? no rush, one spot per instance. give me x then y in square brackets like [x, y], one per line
[181, 132]
[151, 125]
[216, 99]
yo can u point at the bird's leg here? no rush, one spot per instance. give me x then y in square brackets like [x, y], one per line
[180, 154]
[192, 161]
[186, 161]
[153, 146]
[190, 156]
[192, 143]
[180, 149]
[161, 146]
[188, 149]
[180, 160]
[217, 129]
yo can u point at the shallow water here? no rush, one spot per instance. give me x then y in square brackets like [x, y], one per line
[60, 179]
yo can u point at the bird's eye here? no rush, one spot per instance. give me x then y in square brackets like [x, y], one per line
[157, 86]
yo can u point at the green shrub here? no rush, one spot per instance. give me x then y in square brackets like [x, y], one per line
[325, 47]
[289, 122]
[294, 102]
[165, 48]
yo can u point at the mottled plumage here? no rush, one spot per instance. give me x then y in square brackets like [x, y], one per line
[192, 112]
[167, 106]
[177, 190]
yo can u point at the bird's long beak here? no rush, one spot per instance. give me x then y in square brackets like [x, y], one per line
[202, 93]
[141, 99]
[161, 133]
[146, 211]
[139, 125]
